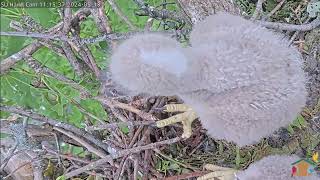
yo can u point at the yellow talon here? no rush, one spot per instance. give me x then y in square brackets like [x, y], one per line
[186, 118]
[221, 173]
[176, 108]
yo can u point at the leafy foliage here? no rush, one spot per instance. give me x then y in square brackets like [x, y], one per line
[47, 95]
[52, 98]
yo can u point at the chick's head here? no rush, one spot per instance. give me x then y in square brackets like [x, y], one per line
[148, 63]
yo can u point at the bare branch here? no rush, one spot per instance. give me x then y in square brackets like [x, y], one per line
[258, 10]
[55, 123]
[72, 59]
[65, 45]
[291, 27]
[48, 147]
[274, 10]
[81, 141]
[109, 37]
[35, 35]
[120, 154]
[67, 19]
[117, 124]
[102, 21]
[115, 104]
[187, 175]
[38, 68]
[30, 49]
[87, 57]
[161, 14]
[7, 63]
[79, 16]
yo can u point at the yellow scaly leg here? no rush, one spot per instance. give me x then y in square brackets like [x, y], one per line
[186, 118]
[222, 173]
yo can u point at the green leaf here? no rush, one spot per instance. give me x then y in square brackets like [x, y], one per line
[91, 177]
[220, 145]
[174, 166]
[53, 61]
[47, 17]
[296, 123]
[9, 44]
[101, 55]
[270, 5]
[238, 157]
[49, 171]
[94, 107]
[124, 128]
[61, 178]
[301, 120]
[290, 129]
[4, 135]
[58, 108]
[74, 115]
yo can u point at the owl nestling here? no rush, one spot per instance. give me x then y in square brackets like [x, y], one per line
[245, 81]
[241, 79]
[274, 167]
[149, 63]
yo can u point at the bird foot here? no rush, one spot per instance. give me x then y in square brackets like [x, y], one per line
[186, 118]
[221, 173]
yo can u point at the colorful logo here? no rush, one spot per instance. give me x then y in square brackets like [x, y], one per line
[305, 167]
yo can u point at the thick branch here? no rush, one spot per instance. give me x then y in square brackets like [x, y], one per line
[109, 37]
[291, 27]
[7, 63]
[117, 124]
[161, 14]
[55, 123]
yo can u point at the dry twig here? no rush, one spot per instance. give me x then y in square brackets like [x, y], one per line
[7, 63]
[258, 10]
[55, 123]
[118, 155]
[110, 126]
[274, 10]
[65, 45]
[81, 141]
[115, 104]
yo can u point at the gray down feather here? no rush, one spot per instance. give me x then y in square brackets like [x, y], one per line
[148, 63]
[276, 167]
[242, 79]
[246, 83]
